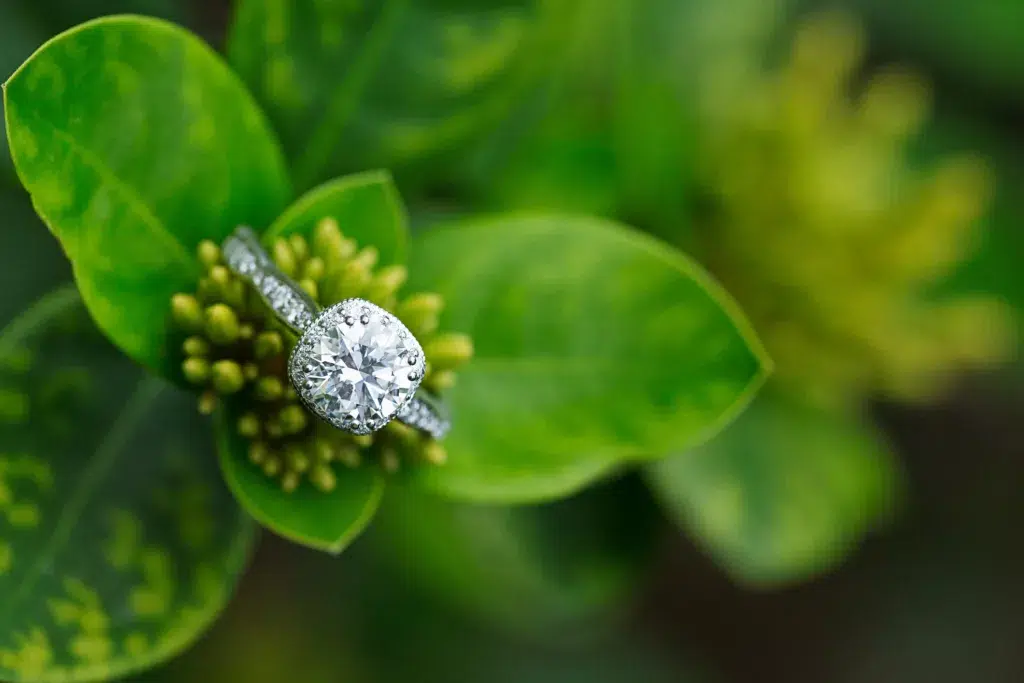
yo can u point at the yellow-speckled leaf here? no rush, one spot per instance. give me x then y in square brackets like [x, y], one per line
[366, 84]
[595, 346]
[118, 541]
[136, 141]
[785, 493]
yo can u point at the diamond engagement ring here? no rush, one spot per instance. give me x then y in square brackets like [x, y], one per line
[355, 366]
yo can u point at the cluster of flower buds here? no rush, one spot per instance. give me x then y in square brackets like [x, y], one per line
[236, 352]
[829, 238]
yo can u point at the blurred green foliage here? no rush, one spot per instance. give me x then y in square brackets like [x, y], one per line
[857, 233]
[561, 571]
[784, 493]
[351, 86]
[980, 43]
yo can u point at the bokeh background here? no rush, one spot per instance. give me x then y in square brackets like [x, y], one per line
[854, 173]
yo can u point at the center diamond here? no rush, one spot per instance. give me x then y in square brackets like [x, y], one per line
[357, 365]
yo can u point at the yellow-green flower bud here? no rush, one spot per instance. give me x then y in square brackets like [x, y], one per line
[222, 324]
[235, 294]
[386, 284]
[273, 429]
[309, 286]
[440, 381]
[195, 346]
[226, 377]
[196, 370]
[209, 253]
[435, 453]
[268, 343]
[272, 465]
[292, 419]
[220, 278]
[323, 478]
[322, 450]
[187, 312]
[314, 269]
[207, 403]
[421, 312]
[251, 371]
[284, 257]
[258, 452]
[299, 248]
[894, 104]
[327, 240]
[449, 351]
[269, 388]
[349, 456]
[350, 280]
[297, 458]
[368, 256]
[290, 481]
[249, 425]
[389, 459]
[403, 433]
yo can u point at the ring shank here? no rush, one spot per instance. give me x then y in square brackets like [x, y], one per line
[245, 256]
[292, 305]
[426, 415]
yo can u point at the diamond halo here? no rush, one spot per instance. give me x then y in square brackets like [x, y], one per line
[356, 366]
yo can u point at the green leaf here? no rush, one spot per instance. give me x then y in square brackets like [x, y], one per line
[324, 521]
[783, 494]
[595, 346]
[134, 160]
[118, 541]
[367, 207]
[358, 85]
[559, 570]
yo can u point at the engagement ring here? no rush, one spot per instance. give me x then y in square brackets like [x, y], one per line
[356, 366]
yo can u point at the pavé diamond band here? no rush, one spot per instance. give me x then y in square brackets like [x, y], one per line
[356, 366]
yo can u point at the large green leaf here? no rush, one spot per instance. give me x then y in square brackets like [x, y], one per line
[355, 85]
[785, 493]
[558, 570]
[367, 207]
[118, 541]
[596, 346]
[134, 160]
[325, 521]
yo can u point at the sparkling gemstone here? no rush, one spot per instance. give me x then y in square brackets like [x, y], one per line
[357, 370]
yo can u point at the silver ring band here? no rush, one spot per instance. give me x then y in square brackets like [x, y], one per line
[295, 308]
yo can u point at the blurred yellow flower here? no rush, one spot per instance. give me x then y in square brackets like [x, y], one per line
[827, 236]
